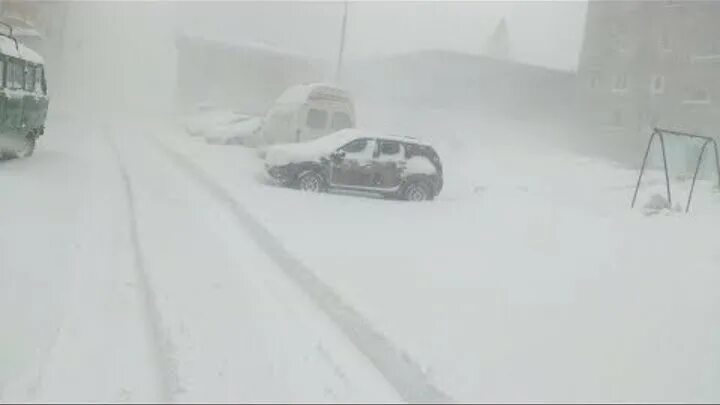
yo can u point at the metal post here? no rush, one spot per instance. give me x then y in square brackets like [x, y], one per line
[342, 43]
[642, 168]
[697, 169]
[667, 176]
[717, 162]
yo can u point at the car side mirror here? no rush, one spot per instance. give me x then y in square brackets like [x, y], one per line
[338, 155]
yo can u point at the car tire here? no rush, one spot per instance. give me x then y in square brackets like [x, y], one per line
[311, 181]
[417, 191]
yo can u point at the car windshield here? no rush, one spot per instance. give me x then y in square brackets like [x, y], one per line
[359, 201]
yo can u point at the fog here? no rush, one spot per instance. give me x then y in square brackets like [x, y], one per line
[121, 57]
[112, 37]
[222, 207]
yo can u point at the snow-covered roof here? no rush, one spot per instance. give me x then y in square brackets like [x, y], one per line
[299, 94]
[7, 47]
[240, 45]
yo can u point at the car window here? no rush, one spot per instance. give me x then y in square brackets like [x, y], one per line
[317, 119]
[340, 120]
[390, 148]
[355, 146]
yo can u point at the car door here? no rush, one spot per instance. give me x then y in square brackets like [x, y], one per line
[388, 164]
[353, 167]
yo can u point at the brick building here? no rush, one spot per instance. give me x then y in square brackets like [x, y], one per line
[650, 63]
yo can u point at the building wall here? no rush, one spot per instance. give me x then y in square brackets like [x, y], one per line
[248, 78]
[465, 82]
[646, 64]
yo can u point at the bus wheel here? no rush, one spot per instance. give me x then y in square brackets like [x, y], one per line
[28, 147]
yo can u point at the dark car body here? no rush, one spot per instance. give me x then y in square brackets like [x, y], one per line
[392, 166]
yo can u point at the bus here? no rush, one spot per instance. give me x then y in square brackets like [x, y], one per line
[23, 97]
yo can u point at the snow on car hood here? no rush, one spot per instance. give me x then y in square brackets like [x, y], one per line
[311, 151]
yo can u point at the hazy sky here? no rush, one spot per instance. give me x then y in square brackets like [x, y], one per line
[547, 33]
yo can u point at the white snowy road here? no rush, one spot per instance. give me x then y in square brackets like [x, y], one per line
[190, 311]
[139, 264]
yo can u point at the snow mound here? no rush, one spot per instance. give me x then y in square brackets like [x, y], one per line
[242, 132]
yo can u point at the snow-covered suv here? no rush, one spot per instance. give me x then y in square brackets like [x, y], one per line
[351, 159]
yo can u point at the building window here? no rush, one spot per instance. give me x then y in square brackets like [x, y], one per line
[619, 36]
[620, 83]
[698, 96]
[617, 119]
[665, 41]
[594, 80]
[658, 84]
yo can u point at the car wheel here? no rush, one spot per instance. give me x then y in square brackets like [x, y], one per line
[417, 191]
[312, 182]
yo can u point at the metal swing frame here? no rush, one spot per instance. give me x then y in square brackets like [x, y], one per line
[660, 133]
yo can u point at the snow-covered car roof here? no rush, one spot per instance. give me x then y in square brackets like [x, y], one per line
[7, 47]
[344, 136]
[281, 154]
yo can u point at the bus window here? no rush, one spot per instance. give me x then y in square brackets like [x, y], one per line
[2, 72]
[17, 71]
[29, 78]
[38, 79]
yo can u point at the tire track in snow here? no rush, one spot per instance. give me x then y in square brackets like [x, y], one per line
[403, 374]
[165, 367]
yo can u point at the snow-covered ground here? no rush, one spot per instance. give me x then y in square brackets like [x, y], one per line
[139, 263]
[529, 278]
[123, 281]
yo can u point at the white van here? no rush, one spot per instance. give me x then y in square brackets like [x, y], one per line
[308, 111]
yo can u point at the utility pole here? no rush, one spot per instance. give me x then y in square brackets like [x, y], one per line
[338, 68]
